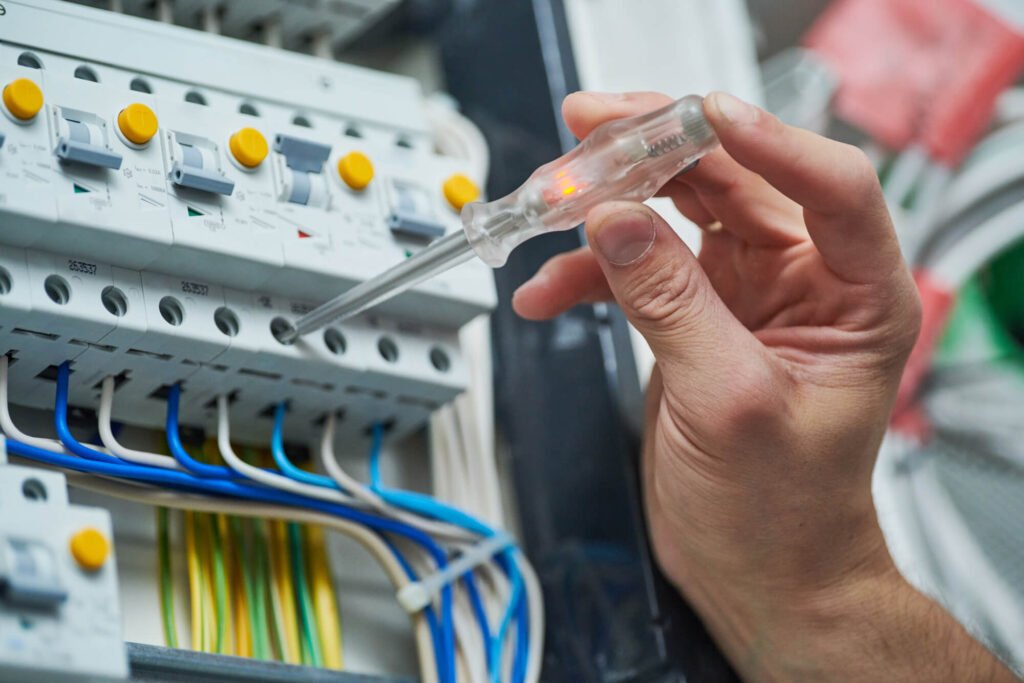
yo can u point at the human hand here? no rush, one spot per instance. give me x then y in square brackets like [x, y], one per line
[778, 354]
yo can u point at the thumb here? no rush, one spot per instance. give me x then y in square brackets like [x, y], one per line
[666, 295]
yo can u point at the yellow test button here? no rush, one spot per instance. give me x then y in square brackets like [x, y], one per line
[249, 147]
[356, 170]
[90, 548]
[23, 98]
[459, 190]
[137, 123]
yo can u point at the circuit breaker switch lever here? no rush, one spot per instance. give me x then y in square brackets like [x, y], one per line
[301, 155]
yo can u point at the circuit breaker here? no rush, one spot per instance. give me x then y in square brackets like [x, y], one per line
[164, 215]
[60, 618]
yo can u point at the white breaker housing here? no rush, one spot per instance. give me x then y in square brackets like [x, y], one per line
[59, 621]
[170, 261]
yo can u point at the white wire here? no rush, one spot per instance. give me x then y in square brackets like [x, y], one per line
[330, 463]
[1010, 105]
[461, 490]
[982, 179]
[978, 247]
[111, 443]
[927, 208]
[277, 481]
[905, 172]
[363, 493]
[7, 424]
[964, 561]
[474, 649]
[535, 605]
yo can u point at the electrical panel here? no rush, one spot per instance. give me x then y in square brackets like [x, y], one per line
[166, 214]
[59, 608]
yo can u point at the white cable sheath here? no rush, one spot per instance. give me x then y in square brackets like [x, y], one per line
[978, 247]
[7, 424]
[262, 476]
[370, 499]
[114, 446]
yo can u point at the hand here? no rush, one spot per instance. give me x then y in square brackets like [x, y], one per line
[778, 354]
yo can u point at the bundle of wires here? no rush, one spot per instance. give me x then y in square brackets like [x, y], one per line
[409, 533]
[246, 597]
[950, 489]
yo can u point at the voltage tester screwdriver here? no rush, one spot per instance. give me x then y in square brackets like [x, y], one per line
[625, 159]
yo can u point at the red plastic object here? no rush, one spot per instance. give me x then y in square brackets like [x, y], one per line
[925, 71]
[936, 304]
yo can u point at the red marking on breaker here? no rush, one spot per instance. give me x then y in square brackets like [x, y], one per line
[913, 71]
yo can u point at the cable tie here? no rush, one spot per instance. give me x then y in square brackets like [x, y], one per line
[417, 595]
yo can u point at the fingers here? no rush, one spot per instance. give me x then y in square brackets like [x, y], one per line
[844, 209]
[747, 206]
[666, 295]
[563, 282]
[585, 111]
[718, 190]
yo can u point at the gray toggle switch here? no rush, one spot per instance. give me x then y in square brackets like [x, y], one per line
[28, 575]
[78, 147]
[189, 172]
[302, 155]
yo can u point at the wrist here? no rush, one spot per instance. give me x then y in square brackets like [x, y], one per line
[871, 626]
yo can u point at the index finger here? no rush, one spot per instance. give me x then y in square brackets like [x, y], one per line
[844, 209]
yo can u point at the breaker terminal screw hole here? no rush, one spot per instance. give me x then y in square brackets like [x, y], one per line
[5, 281]
[114, 301]
[33, 489]
[171, 311]
[281, 328]
[335, 341]
[226, 321]
[388, 349]
[195, 97]
[302, 121]
[29, 60]
[248, 109]
[58, 289]
[86, 73]
[440, 360]
[139, 84]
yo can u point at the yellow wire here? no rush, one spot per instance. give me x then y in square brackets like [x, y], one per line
[239, 605]
[194, 582]
[325, 602]
[228, 553]
[284, 586]
[203, 545]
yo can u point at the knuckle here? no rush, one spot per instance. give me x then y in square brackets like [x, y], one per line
[863, 178]
[663, 295]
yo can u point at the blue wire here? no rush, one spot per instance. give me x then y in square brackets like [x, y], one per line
[281, 458]
[480, 613]
[100, 463]
[200, 469]
[60, 418]
[430, 507]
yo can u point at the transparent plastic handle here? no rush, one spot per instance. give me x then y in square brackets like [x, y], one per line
[625, 159]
